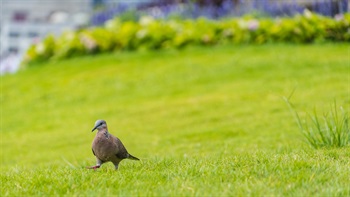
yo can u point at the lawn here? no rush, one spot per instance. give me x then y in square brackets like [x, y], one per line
[203, 121]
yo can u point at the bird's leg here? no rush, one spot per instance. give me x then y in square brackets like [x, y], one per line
[98, 164]
[94, 167]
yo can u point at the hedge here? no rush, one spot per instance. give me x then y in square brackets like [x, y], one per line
[151, 34]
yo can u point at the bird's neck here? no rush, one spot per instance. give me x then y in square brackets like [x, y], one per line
[104, 132]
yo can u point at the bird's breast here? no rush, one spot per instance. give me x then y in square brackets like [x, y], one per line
[104, 148]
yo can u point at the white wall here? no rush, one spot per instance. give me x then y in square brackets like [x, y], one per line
[39, 10]
[21, 36]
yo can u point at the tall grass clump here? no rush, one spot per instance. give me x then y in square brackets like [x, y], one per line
[330, 130]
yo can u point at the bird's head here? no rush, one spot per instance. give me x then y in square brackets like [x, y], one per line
[99, 124]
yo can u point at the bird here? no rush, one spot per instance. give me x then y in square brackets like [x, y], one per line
[108, 148]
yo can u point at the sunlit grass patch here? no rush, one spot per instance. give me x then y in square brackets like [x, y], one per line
[203, 121]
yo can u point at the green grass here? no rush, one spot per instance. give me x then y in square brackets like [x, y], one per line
[331, 130]
[204, 122]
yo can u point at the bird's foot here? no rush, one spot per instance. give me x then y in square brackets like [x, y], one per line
[93, 167]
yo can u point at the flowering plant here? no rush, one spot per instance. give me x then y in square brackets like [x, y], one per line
[155, 34]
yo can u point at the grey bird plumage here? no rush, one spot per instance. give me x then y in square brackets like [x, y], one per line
[108, 148]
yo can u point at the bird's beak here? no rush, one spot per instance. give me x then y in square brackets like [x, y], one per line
[94, 129]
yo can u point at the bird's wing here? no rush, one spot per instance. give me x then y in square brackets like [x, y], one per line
[121, 153]
[93, 151]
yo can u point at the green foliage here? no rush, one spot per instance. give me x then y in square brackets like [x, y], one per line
[41, 51]
[125, 36]
[70, 44]
[334, 131]
[151, 34]
[204, 122]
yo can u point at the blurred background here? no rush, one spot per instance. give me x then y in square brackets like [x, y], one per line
[26, 22]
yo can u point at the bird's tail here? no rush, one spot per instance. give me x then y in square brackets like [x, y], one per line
[132, 157]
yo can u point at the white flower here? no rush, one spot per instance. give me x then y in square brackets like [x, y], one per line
[141, 33]
[307, 13]
[242, 24]
[146, 20]
[40, 48]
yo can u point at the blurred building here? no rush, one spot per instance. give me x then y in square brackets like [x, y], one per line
[24, 21]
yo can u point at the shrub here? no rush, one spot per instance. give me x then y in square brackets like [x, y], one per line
[70, 44]
[41, 51]
[151, 34]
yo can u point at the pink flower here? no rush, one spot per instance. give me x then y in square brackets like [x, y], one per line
[88, 42]
[339, 17]
[253, 25]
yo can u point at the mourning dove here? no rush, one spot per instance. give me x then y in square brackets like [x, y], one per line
[107, 148]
